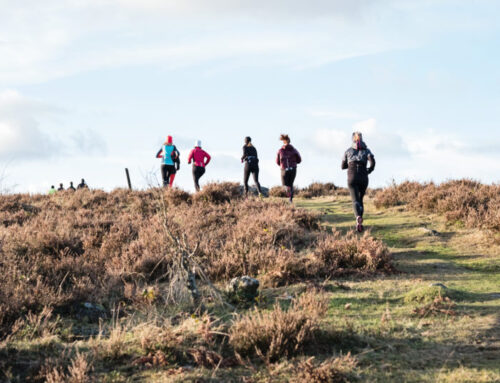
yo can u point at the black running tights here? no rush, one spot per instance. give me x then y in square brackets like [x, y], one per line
[198, 171]
[357, 188]
[246, 176]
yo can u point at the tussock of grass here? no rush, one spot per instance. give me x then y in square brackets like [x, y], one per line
[428, 294]
[278, 333]
[332, 370]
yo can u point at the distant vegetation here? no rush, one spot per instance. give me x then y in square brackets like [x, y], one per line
[465, 202]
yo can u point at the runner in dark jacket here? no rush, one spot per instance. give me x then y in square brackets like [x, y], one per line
[355, 161]
[82, 185]
[287, 159]
[251, 161]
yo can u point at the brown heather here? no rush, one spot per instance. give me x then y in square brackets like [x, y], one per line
[466, 202]
[316, 189]
[279, 333]
[91, 246]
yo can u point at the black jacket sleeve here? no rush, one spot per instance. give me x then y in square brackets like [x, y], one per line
[371, 160]
[344, 164]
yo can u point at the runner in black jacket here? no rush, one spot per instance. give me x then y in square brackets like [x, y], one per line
[251, 161]
[355, 161]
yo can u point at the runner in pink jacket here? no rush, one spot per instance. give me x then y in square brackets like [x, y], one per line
[200, 159]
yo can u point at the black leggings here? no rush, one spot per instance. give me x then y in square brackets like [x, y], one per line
[246, 175]
[287, 179]
[166, 172]
[198, 171]
[357, 188]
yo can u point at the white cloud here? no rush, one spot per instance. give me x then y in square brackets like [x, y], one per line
[332, 114]
[20, 133]
[367, 127]
[276, 8]
[332, 140]
[88, 142]
[51, 39]
[24, 138]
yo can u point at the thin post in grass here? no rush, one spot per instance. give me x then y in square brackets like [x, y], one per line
[128, 179]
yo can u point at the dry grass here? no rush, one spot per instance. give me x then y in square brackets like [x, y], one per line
[91, 246]
[279, 333]
[332, 370]
[462, 201]
[316, 189]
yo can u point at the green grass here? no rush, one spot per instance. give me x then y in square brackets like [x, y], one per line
[374, 317]
[394, 344]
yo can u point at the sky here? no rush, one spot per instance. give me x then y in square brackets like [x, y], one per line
[89, 88]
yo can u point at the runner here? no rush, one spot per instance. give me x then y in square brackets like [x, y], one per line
[251, 161]
[200, 160]
[355, 161]
[170, 162]
[288, 157]
[82, 185]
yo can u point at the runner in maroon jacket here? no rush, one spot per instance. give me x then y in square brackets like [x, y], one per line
[288, 157]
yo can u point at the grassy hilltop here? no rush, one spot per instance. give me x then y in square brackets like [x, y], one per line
[93, 286]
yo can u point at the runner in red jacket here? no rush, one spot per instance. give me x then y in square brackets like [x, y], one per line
[200, 159]
[288, 157]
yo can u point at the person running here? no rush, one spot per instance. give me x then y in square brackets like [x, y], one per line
[251, 161]
[355, 160]
[52, 190]
[170, 161]
[82, 185]
[61, 187]
[71, 187]
[287, 159]
[200, 160]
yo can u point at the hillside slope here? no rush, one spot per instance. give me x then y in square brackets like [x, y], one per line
[323, 295]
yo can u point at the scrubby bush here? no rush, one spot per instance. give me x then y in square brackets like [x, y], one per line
[465, 201]
[318, 189]
[278, 333]
[219, 192]
[278, 192]
[332, 370]
[91, 246]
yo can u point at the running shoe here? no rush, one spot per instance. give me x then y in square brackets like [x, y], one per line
[359, 224]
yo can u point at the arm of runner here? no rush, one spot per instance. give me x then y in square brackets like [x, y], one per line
[244, 156]
[298, 157]
[344, 162]
[207, 158]
[371, 160]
